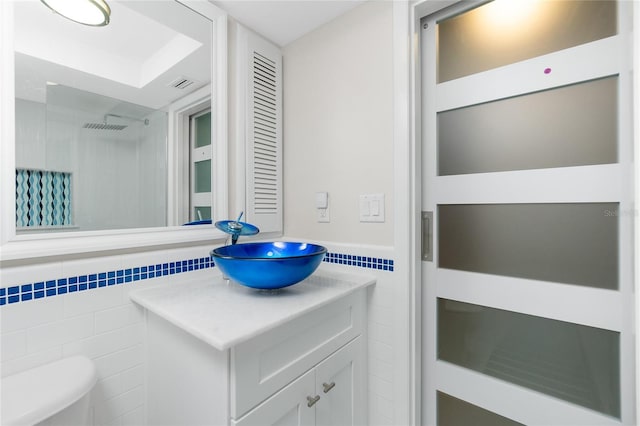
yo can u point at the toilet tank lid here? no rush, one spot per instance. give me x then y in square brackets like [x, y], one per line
[34, 395]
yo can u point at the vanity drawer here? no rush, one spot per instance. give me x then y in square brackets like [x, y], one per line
[265, 364]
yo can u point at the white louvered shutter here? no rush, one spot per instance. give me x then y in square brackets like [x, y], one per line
[264, 136]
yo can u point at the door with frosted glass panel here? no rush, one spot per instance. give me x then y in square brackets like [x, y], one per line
[526, 162]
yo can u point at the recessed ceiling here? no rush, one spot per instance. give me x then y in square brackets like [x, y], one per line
[147, 46]
[285, 21]
[113, 52]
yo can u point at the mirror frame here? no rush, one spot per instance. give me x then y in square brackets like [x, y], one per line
[15, 247]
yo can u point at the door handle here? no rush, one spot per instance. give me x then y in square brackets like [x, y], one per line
[311, 400]
[326, 387]
[427, 236]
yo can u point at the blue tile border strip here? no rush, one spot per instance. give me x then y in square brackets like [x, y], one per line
[359, 261]
[55, 287]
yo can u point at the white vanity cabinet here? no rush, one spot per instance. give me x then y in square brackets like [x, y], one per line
[303, 364]
[330, 394]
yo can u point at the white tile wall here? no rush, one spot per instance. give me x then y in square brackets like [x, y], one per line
[99, 323]
[129, 160]
[59, 332]
[381, 353]
[380, 331]
[13, 345]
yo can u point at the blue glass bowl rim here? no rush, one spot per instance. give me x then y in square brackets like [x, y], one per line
[321, 250]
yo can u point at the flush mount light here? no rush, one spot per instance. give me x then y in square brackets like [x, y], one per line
[88, 12]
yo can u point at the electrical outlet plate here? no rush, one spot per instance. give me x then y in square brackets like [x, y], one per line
[323, 215]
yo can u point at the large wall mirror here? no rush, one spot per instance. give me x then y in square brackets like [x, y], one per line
[101, 117]
[91, 111]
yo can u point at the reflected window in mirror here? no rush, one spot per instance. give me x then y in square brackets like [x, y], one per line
[200, 162]
[93, 104]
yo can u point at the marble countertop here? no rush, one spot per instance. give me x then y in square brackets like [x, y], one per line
[225, 314]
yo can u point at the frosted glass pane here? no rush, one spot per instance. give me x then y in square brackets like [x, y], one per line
[569, 126]
[203, 130]
[202, 213]
[566, 243]
[571, 362]
[456, 412]
[202, 176]
[506, 31]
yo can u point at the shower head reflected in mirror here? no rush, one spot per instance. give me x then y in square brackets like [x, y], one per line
[106, 126]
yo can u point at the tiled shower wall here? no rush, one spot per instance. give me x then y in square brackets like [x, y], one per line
[101, 323]
[106, 168]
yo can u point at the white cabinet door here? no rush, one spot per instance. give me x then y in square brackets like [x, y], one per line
[339, 382]
[335, 387]
[289, 407]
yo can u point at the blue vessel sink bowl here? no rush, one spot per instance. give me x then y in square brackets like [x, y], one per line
[268, 266]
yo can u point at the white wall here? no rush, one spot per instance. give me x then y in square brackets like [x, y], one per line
[338, 125]
[31, 118]
[636, 134]
[339, 138]
[236, 145]
[152, 170]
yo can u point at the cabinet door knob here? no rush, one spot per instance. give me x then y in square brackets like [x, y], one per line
[328, 386]
[311, 400]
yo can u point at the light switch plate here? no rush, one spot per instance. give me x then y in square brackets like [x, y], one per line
[322, 207]
[372, 208]
[322, 200]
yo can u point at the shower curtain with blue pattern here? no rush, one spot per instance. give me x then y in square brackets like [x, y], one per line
[43, 198]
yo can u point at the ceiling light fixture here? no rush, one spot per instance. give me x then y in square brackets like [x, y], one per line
[88, 12]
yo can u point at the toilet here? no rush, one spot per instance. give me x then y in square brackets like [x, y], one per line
[52, 394]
